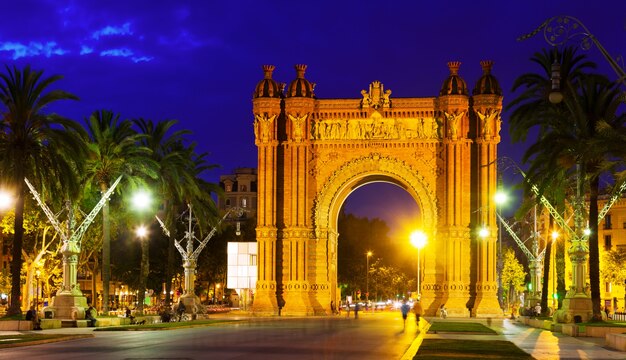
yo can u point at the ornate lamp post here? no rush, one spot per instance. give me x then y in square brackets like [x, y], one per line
[142, 201]
[367, 276]
[418, 239]
[557, 31]
[500, 199]
[555, 236]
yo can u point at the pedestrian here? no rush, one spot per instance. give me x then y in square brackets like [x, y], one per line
[347, 309]
[357, 307]
[31, 315]
[90, 316]
[417, 310]
[180, 310]
[538, 309]
[404, 309]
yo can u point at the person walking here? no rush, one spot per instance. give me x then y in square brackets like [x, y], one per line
[418, 311]
[443, 312]
[404, 309]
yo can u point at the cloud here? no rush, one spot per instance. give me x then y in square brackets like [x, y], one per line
[123, 52]
[112, 30]
[186, 40]
[136, 59]
[33, 48]
[85, 50]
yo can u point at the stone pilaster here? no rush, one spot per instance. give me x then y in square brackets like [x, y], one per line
[485, 113]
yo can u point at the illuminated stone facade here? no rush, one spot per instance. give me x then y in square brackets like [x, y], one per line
[312, 153]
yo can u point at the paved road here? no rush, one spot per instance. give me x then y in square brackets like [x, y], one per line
[372, 336]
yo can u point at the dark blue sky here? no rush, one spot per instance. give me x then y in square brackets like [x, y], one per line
[199, 61]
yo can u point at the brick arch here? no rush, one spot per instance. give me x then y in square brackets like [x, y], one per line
[365, 170]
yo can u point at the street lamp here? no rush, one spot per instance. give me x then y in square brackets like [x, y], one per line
[500, 199]
[367, 276]
[418, 239]
[141, 231]
[6, 200]
[555, 235]
[559, 30]
[142, 201]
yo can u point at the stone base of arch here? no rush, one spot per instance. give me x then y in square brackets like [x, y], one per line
[265, 300]
[486, 304]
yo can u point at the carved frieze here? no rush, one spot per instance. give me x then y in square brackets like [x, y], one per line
[376, 128]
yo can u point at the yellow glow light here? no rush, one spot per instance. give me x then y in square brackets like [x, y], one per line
[418, 239]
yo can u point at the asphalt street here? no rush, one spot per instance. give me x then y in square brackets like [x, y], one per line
[372, 336]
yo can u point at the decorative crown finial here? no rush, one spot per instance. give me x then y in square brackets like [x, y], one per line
[300, 68]
[268, 69]
[454, 67]
[486, 65]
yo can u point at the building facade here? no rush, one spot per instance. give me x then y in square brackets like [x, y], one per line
[312, 153]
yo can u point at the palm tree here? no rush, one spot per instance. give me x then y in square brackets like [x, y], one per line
[46, 148]
[114, 150]
[178, 182]
[172, 168]
[564, 148]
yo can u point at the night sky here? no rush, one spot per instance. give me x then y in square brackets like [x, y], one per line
[199, 61]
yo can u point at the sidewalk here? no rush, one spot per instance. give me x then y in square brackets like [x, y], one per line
[540, 344]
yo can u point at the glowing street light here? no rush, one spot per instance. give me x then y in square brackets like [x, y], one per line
[367, 276]
[500, 199]
[141, 200]
[418, 239]
[141, 231]
[555, 236]
[6, 200]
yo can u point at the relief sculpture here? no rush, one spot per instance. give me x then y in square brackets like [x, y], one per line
[376, 97]
[297, 126]
[263, 128]
[453, 120]
[375, 128]
[487, 121]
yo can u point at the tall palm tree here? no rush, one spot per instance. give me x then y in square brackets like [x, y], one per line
[598, 100]
[563, 149]
[172, 167]
[178, 181]
[114, 150]
[46, 148]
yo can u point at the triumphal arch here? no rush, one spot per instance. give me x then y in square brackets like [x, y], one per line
[312, 153]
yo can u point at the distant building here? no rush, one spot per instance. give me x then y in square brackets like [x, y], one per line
[240, 190]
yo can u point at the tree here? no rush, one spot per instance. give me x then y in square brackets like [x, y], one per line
[513, 276]
[45, 148]
[614, 266]
[179, 169]
[567, 145]
[114, 150]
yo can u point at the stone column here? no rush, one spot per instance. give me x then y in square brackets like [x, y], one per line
[267, 111]
[487, 110]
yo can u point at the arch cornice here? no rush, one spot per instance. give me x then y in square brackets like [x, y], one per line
[356, 172]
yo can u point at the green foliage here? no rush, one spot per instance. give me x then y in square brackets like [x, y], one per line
[448, 326]
[469, 349]
[614, 266]
[357, 237]
[513, 274]
[386, 281]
